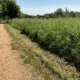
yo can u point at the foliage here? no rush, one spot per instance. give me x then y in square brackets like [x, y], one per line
[9, 9]
[66, 12]
[12, 9]
[72, 14]
[41, 59]
[61, 36]
[59, 13]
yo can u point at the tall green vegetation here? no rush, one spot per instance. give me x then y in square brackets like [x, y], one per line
[41, 59]
[61, 36]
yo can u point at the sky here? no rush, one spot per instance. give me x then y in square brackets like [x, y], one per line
[35, 7]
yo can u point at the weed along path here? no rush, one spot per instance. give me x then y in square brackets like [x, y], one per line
[11, 66]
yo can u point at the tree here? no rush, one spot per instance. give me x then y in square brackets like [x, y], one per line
[51, 15]
[46, 15]
[72, 14]
[13, 9]
[0, 11]
[59, 13]
[77, 14]
[9, 8]
[39, 16]
[66, 12]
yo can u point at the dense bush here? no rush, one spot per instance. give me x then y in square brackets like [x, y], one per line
[62, 36]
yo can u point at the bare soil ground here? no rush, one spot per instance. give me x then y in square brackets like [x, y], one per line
[11, 66]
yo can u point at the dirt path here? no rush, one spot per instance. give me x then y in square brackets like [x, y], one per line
[11, 66]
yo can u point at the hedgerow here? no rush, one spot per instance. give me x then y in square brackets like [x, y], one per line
[61, 36]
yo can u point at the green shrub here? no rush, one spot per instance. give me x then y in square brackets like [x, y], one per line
[62, 36]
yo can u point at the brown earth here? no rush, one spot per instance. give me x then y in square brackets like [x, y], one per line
[11, 66]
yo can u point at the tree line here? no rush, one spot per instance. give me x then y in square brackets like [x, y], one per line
[60, 13]
[57, 14]
[10, 9]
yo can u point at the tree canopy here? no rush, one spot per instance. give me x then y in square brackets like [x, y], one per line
[9, 9]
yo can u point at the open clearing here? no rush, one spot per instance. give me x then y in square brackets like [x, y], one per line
[11, 66]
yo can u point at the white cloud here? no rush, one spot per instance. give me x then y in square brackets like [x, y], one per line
[48, 9]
